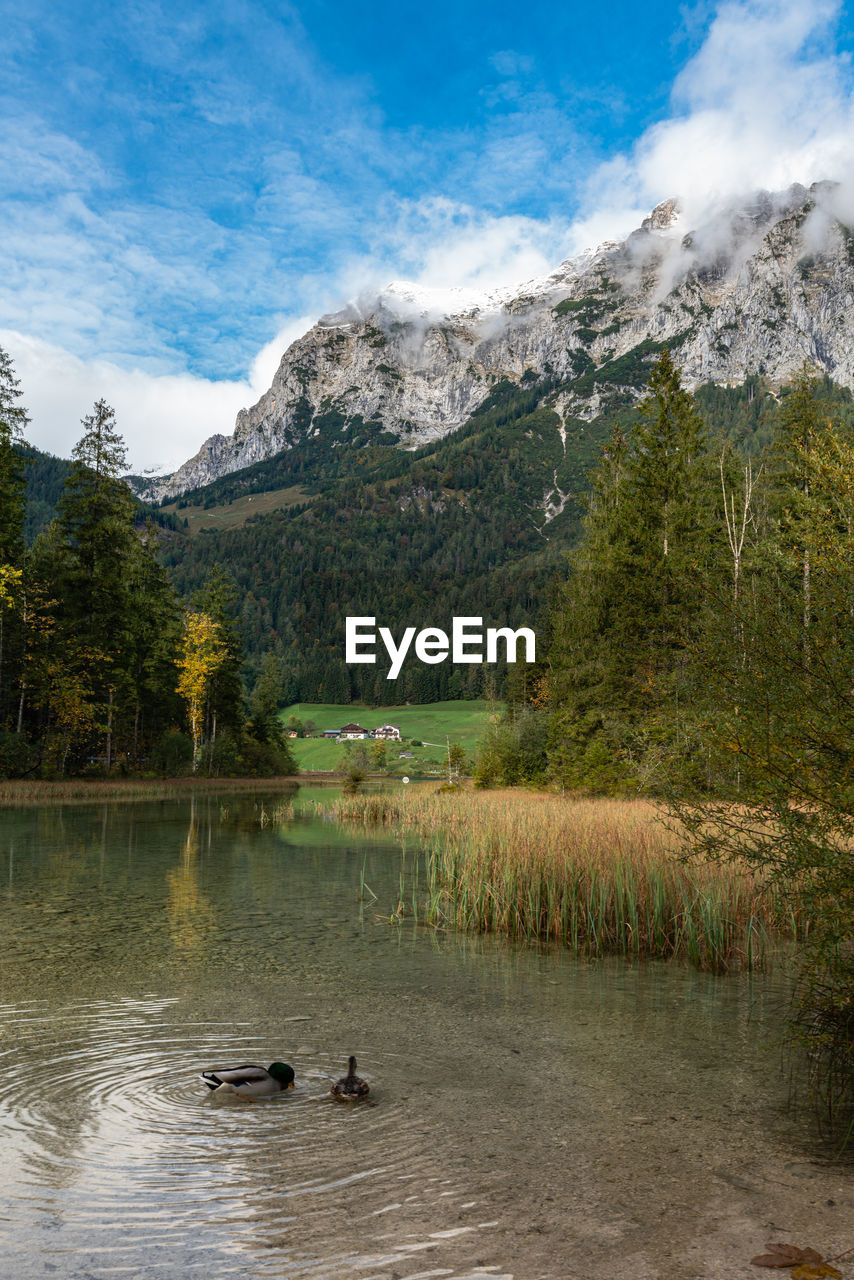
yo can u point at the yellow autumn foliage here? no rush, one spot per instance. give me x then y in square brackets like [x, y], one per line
[203, 652]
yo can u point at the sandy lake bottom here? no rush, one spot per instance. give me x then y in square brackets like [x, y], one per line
[533, 1116]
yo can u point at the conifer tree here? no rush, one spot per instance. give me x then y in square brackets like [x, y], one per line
[154, 640]
[781, 740]
[41, 647]
[802, 420]
[13, 419]
[582, 661]
[632, 604]
[266, 700]
[664, 519]
[96, 518]
[273, 754]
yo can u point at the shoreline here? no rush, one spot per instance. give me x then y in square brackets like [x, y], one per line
[17, 791]
[20, 791]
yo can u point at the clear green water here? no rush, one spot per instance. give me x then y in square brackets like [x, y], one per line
[532, 1117]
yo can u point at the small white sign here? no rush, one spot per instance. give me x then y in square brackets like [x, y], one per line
[405, 779]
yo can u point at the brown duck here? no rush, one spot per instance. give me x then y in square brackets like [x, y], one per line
[351, 1086]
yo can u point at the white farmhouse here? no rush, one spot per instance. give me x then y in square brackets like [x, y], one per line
[388, 732]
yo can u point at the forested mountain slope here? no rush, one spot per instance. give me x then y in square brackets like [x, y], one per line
[457, 527]
[45, 476]
[417, 463]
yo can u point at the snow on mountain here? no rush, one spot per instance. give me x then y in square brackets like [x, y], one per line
[759, 288]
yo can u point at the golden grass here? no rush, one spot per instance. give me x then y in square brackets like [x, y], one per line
[21, 792]
[602, 876]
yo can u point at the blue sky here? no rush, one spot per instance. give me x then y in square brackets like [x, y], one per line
[187, 186]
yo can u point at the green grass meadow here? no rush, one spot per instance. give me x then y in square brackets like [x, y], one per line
[238, 510]
[433, 723]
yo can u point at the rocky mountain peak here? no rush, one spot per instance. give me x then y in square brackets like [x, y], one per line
[663, 217]
[762, 286]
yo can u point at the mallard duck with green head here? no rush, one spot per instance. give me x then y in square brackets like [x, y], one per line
[250, 1081]
[351, 1086]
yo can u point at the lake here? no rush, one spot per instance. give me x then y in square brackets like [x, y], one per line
[534, 1116]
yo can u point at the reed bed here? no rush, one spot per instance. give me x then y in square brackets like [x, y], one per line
[18, 793]
[600, 876]
[277, 814]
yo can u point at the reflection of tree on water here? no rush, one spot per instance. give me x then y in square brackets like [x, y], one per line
[191, 914]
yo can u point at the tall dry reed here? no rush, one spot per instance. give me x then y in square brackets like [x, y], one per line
[601, 876]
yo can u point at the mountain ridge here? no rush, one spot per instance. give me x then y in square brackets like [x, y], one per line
[760, 288]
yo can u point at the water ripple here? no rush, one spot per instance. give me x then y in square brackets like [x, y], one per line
[108, 1123]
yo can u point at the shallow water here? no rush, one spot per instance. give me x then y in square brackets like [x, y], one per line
[533, 1116]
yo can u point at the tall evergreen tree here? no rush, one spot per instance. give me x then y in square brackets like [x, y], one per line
[632, 603]
[101, 636]
[781, 740]
[96, 518]
[583, 662]
[13, 419]
[665, 517]
[266, 701]
[265, 725]
[803, 418]
[153, 640]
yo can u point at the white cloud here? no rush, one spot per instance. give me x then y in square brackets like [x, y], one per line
[468, 249]
[447, 247]
[269, 357]
[764, 103]
[162, 418]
